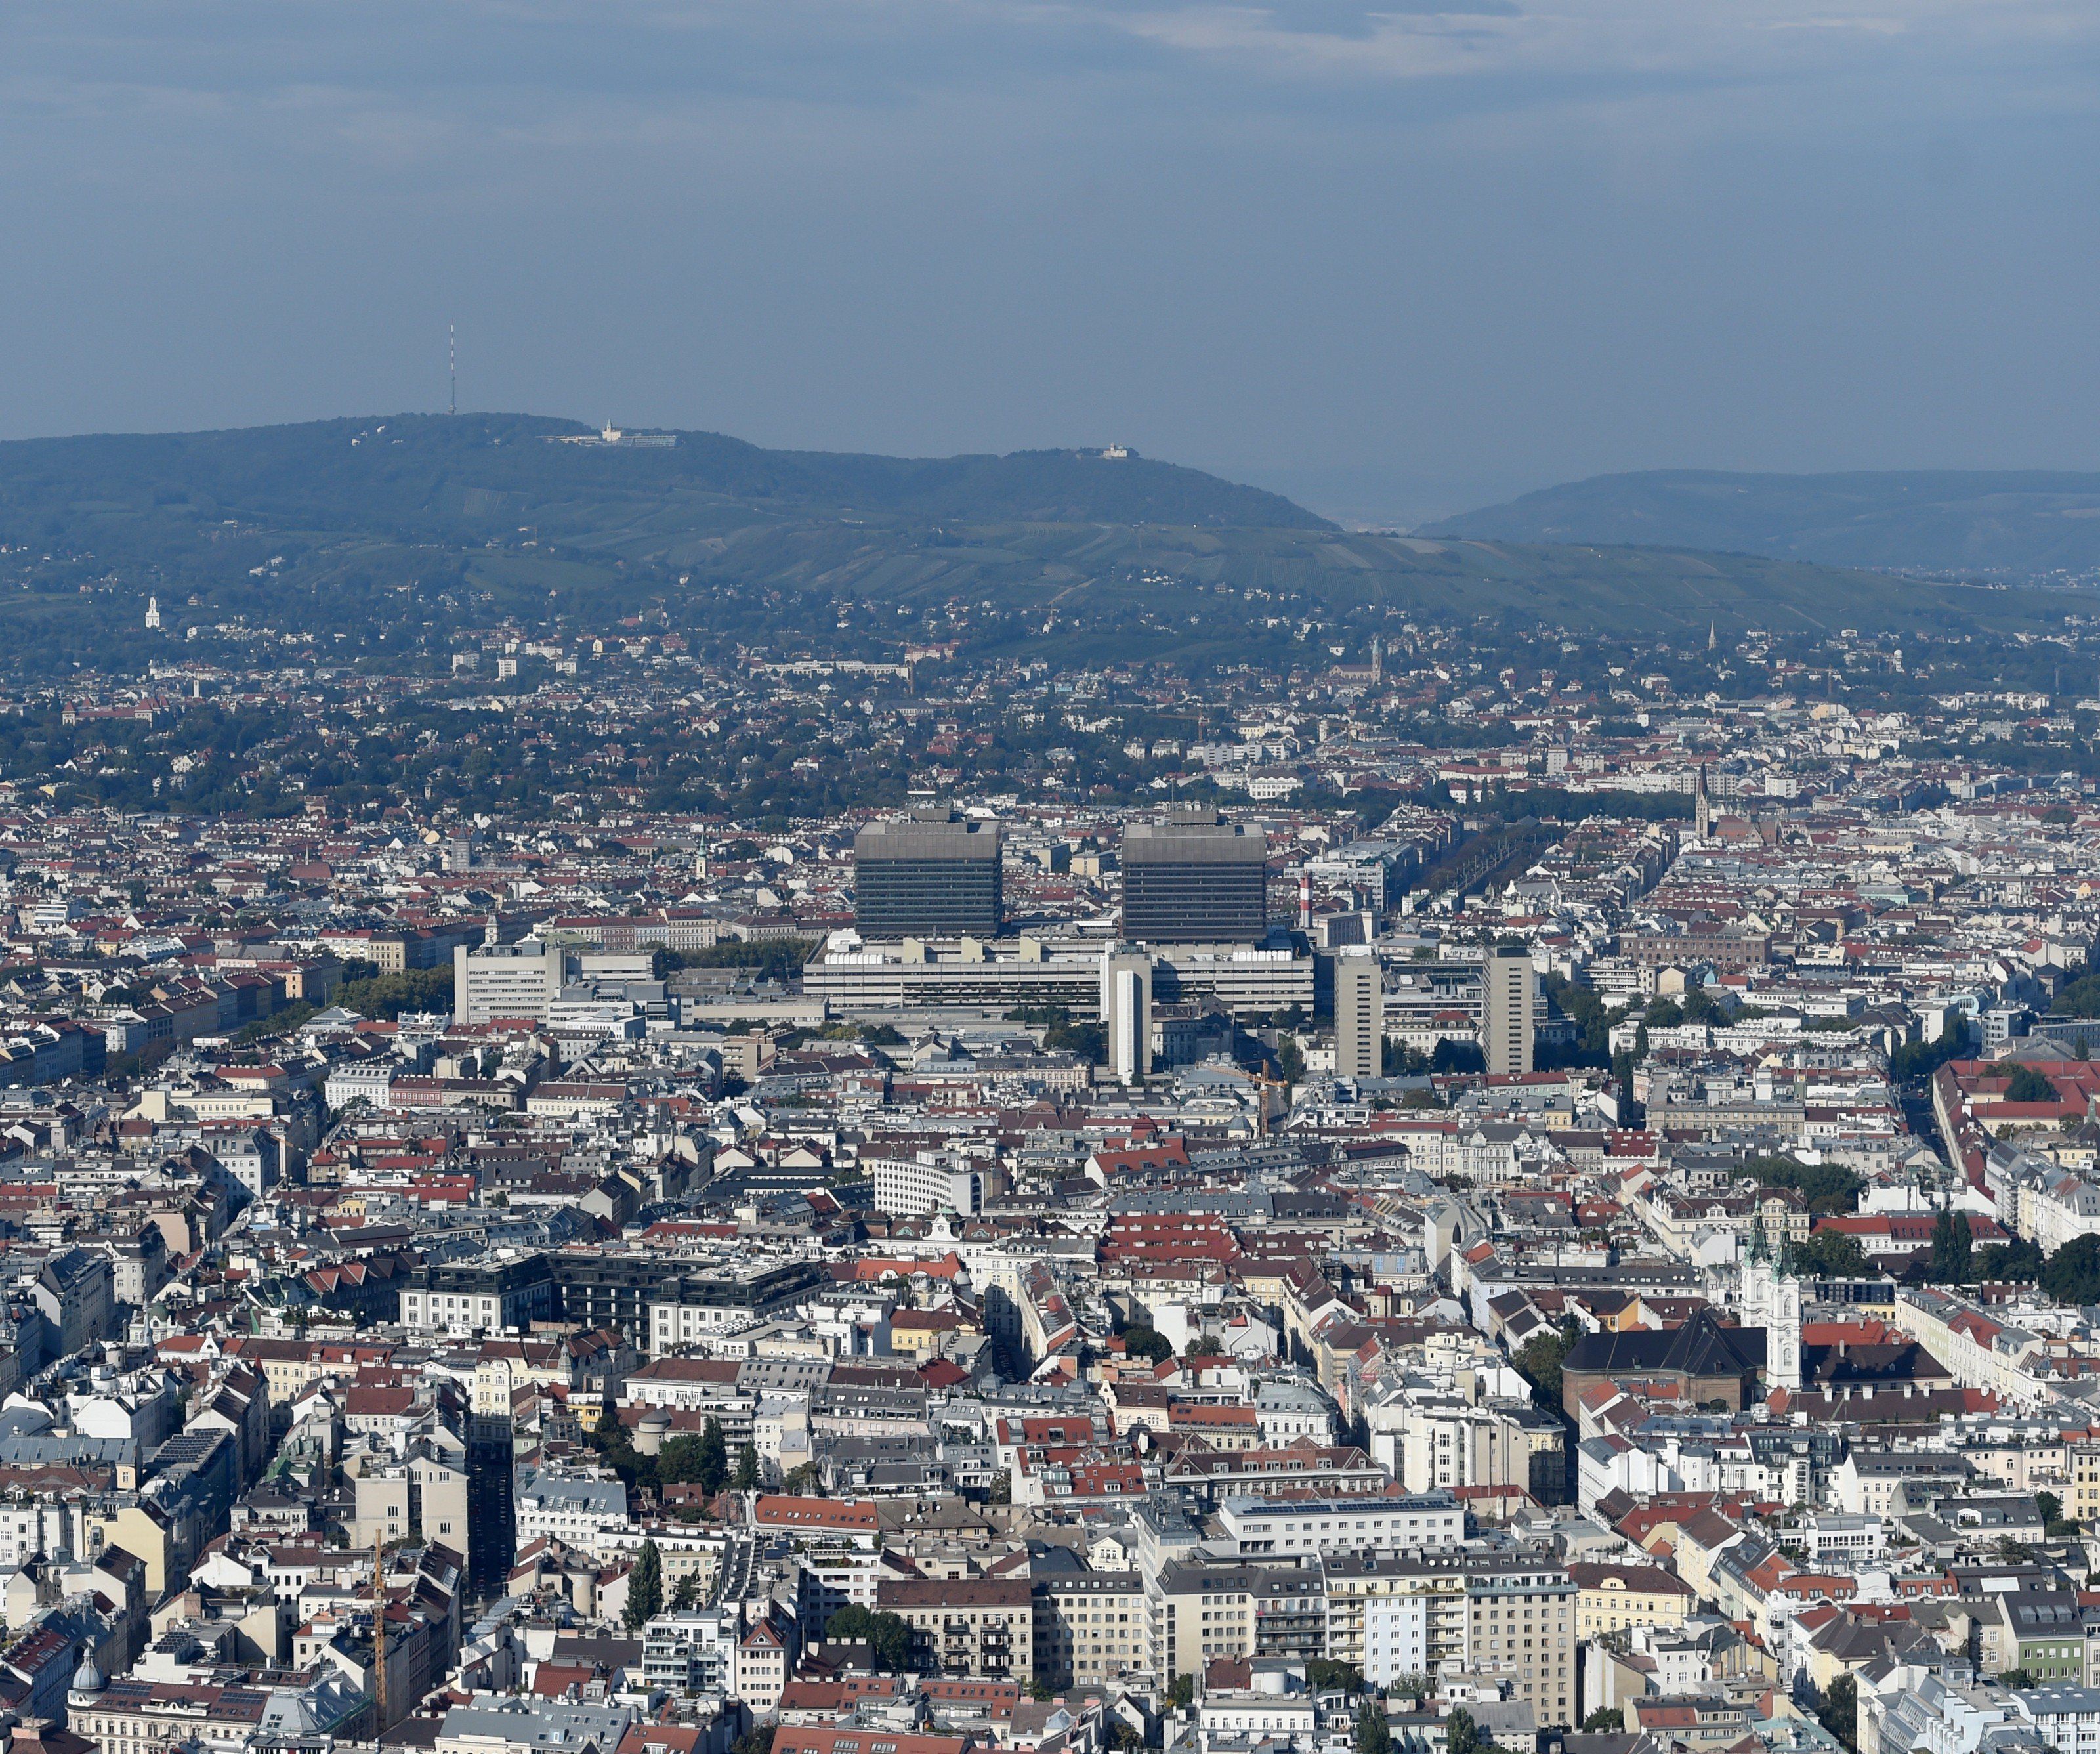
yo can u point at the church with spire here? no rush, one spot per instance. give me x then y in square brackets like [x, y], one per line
[1771, 1299]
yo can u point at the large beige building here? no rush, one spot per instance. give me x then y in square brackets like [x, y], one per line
[1440, 1441]
[983, 1628]
[1608, 1598]
[424, 1496]
[1509, 1012]
[1201, 1611]
[1091, 1626]
[1521, 1625]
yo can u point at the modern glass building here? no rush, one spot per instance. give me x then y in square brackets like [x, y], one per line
[932, 874]
[1194, 879]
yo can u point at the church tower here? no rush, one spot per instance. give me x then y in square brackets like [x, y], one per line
[1772, 1299]
[153, 614]
[1702, 807]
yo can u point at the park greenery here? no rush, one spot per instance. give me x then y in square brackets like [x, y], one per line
[1374, 1733]
[369, 993]
[1540, 1359]
[1839, 1711]
[889, 1636]
[1060, 1035]
[1826, 1188]
[701, 1459]
[2028, 1084]
[1148, 1343]
[645, 1589]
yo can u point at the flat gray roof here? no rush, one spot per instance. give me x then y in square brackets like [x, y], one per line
[969, 838]
[1215, 843]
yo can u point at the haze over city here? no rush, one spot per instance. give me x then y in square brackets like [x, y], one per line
[1396, 260]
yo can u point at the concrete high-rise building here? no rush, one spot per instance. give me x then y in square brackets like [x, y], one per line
[1126, 1013]
[1359, 1014]
[1194, 879]
[1509, 1009]
[931, 874]
[522, 980]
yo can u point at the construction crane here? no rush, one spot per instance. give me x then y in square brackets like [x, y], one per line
[378, 1638]
[1264, 1083]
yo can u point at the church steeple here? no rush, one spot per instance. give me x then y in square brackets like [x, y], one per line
[1772, 1299]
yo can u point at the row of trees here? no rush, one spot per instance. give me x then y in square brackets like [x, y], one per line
[2071, 1275]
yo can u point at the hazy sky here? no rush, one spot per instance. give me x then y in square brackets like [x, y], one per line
[1395, 259]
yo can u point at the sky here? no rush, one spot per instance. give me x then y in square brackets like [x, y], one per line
[1396, 260]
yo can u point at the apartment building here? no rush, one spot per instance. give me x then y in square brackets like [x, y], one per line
[982, 1627]
[1520, 1628]
[1392, 1593]
[1290, 1613]
[1479, 1614]
[1201, 1611]
[1262, 1526]
[1609, 1598]
[1091, 1626]
[838, 1543]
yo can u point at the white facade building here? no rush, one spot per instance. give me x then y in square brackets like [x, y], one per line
[523, 979]
[1262, 1526]
[1396, 1638]
[928, 1182]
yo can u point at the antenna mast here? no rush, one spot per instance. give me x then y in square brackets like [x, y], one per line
[452, 347]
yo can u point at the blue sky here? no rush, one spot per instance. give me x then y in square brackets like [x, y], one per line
[1395, 259]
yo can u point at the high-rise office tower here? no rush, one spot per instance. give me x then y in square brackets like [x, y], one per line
[1194, 879]
[522, 980]
[1126, 1013]
[1359, 1015]
[931, 874]
[1509, 1009]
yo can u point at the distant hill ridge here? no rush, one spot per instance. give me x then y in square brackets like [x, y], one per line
[1998, 523]
[436, 473]
[397, 534]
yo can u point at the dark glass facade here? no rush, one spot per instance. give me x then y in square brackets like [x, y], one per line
[1194, 879]
[928, 878]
